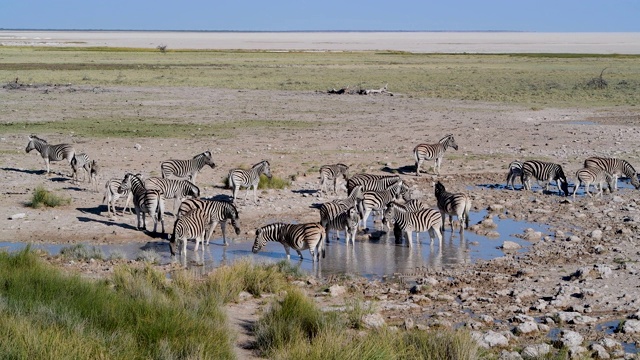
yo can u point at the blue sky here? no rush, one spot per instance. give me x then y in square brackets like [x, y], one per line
[291, 15]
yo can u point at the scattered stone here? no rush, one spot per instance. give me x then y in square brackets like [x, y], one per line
[337, 290]
[631, 327]
[373, 321]
[510, 245]
[526, 328]
[570, 339]
[17, 216]
[509, 355]
[496, 207]
[596, 234]
[599, 352]
[536, 351]
[137, 146]
[490, 339]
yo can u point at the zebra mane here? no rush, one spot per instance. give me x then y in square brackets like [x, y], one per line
[34, 137]
[206, 153]
[265, 162]
[445, 138]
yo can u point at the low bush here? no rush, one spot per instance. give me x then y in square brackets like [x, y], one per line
[43, 197]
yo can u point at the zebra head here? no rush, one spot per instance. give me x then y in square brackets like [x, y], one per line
[405, 192]
[193, 190]
[389, 214]
[562, 179]
[634, 181]
[265, 168]
[357, 193]
[231, 213]
[208, 159]
[125, 185]
[344, 169]
[32, 142]
[260, 240]
[439, 189]
[449, 141]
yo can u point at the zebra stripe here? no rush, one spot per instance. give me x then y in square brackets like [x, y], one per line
[81, 161]
[191, 226]
[457, 204]
[248, 178]
[595, 176]
[371, 182]
[515, 172]
[416, 205]
[378, 200]
[293, 236]
[218, 212]
[173, 189]
[332, 209]
[332, 173]
[111, 195]
[615, 167]
[145, 201]
[348, 221]
[50, 152]
[544, 171]
[435, 152]
[187, 168]
[410, 221]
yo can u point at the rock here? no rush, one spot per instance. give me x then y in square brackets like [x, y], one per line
[603, 270]
[631, 327]
[137, 146]
[408, 324]
[17, 216]
[243, 296]
[599, 352]
[510, 245]
[537, 351]
[373, 321]
[596, 234]
[618, 199]
[490, 339]
[496, 207]
[337, 290]
[526, 328]
[506, 355]
[610, 344]
[570, 338]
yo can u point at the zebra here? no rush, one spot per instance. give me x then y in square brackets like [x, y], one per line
[111, 195]
[94, 173]
[177, 190]
[218, 212]
[332, 173]
[332, 209]
[415, 204]
[81, 161]
[457, 204]
[515, 171]
[186, 168]
[50, 152]
[544, 171]
[371, 182]
[192, 225]
[615, 167]
[145, 201]
[348, 221]
[433, 152]
[592, 175]
[248, 178]
[409, 221]
[378, 200]
[293, 236]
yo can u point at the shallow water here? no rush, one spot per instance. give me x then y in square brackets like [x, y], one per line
[372, 259]
[623, 183]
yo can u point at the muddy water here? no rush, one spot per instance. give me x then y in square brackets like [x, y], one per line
[373, 258]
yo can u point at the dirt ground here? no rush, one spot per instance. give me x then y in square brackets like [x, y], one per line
[373, 134]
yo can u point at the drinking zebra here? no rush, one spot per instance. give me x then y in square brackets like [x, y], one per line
[50, 152]
[174, 189]
[615, 167]
[111, 195]
[192, 225]
[371, 182]
[409, 221]
[433, 152]
[187, 168]
[348, 221]
[451, 204]
[145, 201]
[293, 236]
[330, 210]
[515, 172]
[81, 161]
[332, 173]
[592, 175]
[378, 200]
[544, 171]
[248, 178]
[218, 212]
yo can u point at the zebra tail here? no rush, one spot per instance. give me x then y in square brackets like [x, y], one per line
[323, 246]
[467, 207]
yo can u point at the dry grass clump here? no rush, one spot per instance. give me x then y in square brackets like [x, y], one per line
[43, 197]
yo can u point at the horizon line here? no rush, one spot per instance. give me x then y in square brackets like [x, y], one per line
[267, 31]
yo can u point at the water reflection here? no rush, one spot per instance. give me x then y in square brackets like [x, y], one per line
[371, 258]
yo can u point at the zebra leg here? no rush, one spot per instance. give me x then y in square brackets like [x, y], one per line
[586, 188]
[443, 216]
[300, 253]
[126, 204]
[365, 217]
[255, 190]
[418, 163]
[46, 162]
[286, 250]
[223, 226]
[436, 166]
[575, 188]
[451, 221]
[409, 240]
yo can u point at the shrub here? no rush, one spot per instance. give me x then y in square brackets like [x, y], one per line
[273, 183]
[43, 197]
[82, 252]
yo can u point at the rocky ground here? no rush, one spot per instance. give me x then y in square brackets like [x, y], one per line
[576, 286]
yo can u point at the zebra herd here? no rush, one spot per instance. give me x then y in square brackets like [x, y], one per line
[388, 195]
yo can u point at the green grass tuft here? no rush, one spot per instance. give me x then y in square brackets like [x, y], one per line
[43, 197]
[82, 252]
[273, 183]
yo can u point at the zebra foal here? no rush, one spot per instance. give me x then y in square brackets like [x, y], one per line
[111, 195]
[451, 204]
[186, 168]
[190, 226]
[591, 175]
[81, 161]
[293, 236]
[348, 221]
[615, 167]
[248, 178]
[544, 171]
[50, 152]
[410, 221]
[435, 152]
[333, 173]
[330, 210]
[145, 201]
[372, 182]
[378, 200]
[218, 212]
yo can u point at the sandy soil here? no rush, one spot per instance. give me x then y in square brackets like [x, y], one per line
[374, 134]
